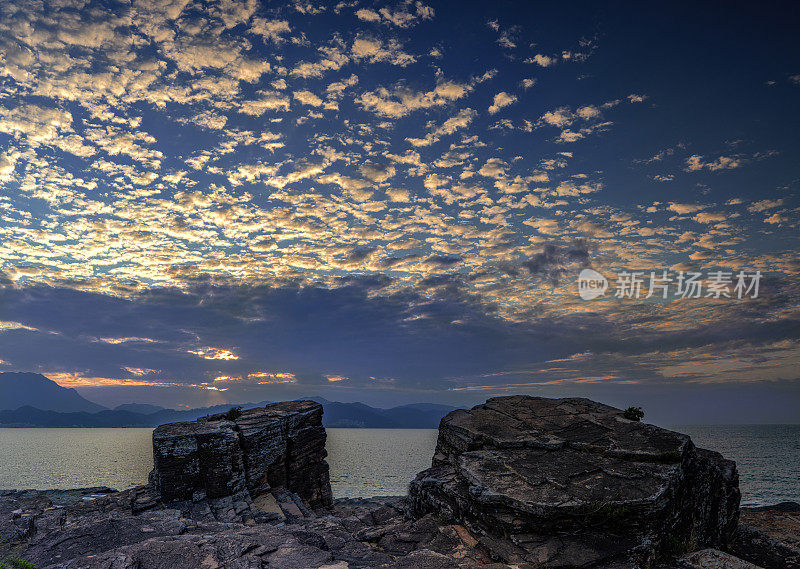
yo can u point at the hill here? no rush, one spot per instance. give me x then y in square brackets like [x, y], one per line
[352, 415]
[142, 408]
[18, 389]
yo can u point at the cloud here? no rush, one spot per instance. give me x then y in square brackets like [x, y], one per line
[307, 98]
[763, 205]
[337, 88]
[210, 120]
[332, 58]
[343, 325]
[588, 112]
[684, 208]
[377, 173]
[271, 30]
[695, 163]
[401, 101]
[405, 15]
[572, 188]
[398, 194]
[307, 7]
[360, 190]
[6, 166]
[559, 117]
[542, 60]
[777, 219]
[115, 141]
[442, 261]
[36, 124]
[375, 50]
[460, 121]
[368, 15]
[434, 181]
[663, 177]
[710, 217]
[544, 226]
[501, 100]
[312, 189]
[214, 354]
[494, 168]
[586, 48]
[584, 121]
[507, 39]
[267, 101]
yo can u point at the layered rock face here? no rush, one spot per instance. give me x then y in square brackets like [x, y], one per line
[572, 483]
[280, 445]
[533, 483]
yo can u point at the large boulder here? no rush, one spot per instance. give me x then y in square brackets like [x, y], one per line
[281, 445]
[573, 483]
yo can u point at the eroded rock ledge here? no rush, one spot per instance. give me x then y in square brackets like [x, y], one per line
[281, 445]
[549, 481]
[516, 483]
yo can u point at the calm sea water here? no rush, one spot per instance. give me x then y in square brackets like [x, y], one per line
[364, 462]
[767, 457]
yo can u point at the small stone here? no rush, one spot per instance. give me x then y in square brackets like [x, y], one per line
[715, 559]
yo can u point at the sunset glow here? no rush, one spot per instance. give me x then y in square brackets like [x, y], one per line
[197, 194]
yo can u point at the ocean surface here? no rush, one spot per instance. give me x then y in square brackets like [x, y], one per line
[364, 462]
[767, 458]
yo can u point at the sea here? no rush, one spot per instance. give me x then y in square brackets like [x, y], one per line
[363, 462]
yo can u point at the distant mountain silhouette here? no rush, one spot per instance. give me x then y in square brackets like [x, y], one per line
[360, 415]
[142, 408]
[354, 415]
[433, 407]
[18, 389]
[31, 417]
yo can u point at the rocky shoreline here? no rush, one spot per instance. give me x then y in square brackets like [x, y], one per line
[516, 483]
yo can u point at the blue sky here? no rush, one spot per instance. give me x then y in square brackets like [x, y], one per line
[390, 202]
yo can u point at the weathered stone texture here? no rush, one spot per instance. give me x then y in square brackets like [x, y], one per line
[549, 481]
[516, 483]
[280, 445]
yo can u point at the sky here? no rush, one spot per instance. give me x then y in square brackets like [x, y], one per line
[231, 201]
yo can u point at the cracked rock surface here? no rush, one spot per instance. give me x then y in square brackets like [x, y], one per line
[516, 483]
[545, 481]
[104, 532]
[281, 445]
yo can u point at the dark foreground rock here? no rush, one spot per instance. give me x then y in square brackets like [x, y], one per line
[769, 536]
[106, 533]
[280, 445]
[516, 484]
[571, 482]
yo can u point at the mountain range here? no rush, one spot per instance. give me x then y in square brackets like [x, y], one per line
[18, 389]
[33, 400]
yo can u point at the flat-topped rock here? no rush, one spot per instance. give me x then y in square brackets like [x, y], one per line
[280, 445]
[516, 483]
[538, 423]
[541, 477]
